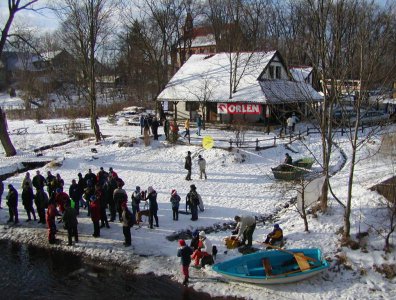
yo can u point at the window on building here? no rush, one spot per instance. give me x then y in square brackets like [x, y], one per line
[278, 73]
[271, 72]
[192, 106]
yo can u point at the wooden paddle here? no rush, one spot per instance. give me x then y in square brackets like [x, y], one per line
[301, 259]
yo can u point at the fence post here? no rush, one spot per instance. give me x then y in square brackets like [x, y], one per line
[257, 147]
[230, 143]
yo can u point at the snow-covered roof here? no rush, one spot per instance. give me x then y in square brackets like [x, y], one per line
[203, 41]
[50, 54]
[204, 76]
[300, 73]
[207, 78]
[280, 91]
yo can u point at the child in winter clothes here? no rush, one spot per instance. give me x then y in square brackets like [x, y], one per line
[184, 252]
[175, 200]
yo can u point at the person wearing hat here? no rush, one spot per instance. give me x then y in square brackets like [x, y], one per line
[184, 252]
[192, 200]
[95, 215]
[175, 200]
[195, 243]
[275, 236]
[188, 165]
[136, 198]
[203, 255]
[153, 206]
[12, 203]
[245, 228]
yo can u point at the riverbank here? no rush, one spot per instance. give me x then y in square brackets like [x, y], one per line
[37, 273]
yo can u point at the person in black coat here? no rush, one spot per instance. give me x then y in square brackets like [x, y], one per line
[27, 201]
[90, 176]
[38, 181]
[12, 202]
[108, 191]
[70, 223]
[41, 200]
[192, 200]
[75, 194]
[188, 165]
[153, 206]
[154, 128]
[184, 252]
[82, 184]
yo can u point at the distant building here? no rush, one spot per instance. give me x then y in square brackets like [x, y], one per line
[264, 89]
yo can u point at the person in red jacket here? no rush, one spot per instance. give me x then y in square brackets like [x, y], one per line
[61, 198]
[50, 218]
[95, 215]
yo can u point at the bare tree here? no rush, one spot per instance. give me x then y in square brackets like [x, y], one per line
[14, 6]
[86, 27]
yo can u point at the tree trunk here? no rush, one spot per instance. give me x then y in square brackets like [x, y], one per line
[304, 213]
[92, 78]
[4, 136]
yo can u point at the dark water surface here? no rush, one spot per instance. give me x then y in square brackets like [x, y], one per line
[32, 273]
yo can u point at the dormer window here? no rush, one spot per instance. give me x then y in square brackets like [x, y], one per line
[278, 73]
[271, 72]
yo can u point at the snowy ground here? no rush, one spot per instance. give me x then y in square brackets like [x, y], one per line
[238, 183]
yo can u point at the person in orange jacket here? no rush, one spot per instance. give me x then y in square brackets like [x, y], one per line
[275, 236]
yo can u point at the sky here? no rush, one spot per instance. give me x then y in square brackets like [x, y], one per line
[47, 21]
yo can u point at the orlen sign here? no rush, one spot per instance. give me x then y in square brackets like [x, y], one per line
[239, 108]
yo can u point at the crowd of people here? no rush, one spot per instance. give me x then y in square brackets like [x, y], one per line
[101, 194]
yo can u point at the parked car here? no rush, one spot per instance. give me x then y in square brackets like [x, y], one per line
[347, 116]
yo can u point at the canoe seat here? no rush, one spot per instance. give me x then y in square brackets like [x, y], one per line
[302, 261]
[267, 266]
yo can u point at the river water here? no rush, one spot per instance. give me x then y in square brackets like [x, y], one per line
[32, 273]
